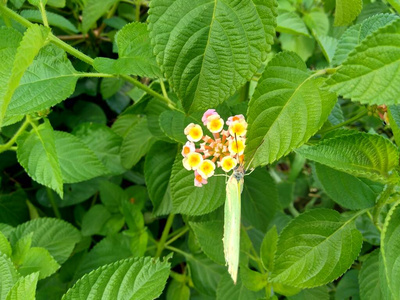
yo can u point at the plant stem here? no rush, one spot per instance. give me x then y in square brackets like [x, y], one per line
[163, 89]
[164, 235]
[178, 251]
[381, 201]
[96, 75]
[395, 4]
[177, 236]
[137, 10]
[349, 121]
[11, 142]
[293, 210]
[43, 13]
[53, 203]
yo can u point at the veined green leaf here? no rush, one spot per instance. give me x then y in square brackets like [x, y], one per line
[287, 108]
[24, 288]
[359, 154]
[318, 293]
[38, 155]
[53, 19]
[93, 11]
[38, 259]
[32, 41]
[136, 278]
[316, 248]
[178, 291]
[370, 288]
[346, 11]
[208, 49]
[135, 54]
[5, 247]
[37, 2]
[268, 248]
[228, 291]
[370, 74]
[290, 22]
[302, 45]
[347, 287]
[8, 276]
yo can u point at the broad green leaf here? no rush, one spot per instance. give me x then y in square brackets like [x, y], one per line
[104, 142]
[98, 220]
[6, 229]
[287, 108]
[112, 196]
[316, 248]
[346, 11]
[394, 120]
[268, 248]
[253, 280]
[178, 291]
[136, 278]
[318, 293]
[93, 11]
[77, 161]
[39, 260]
[228, 291]
[5, 247]
[136, 136]
[24, 288]
[56, 3]
[348, 286]
[38, 155]
[368, 229]
[135, 54]
[390, 243]
[290, 22]
[8, 276]
[347, 190]
[328, 46]
[32, 41]
[173, 124]
[369, 278]
[318, 22]
[370, 74]
[50, 79]
[21, 248]
[57, 236]
[13, 208]
[208, 49]
[359, 154]
[302, 45]
[54, 20]
[157, 172]
[189, 199]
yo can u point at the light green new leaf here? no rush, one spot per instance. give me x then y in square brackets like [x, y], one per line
[135, 54]
[32, 41]
[359, 154]
[370, 74]
[24, 288]
[95, 220]
[38, 259]
[390, 262]
[137, 138]
[290, 22]
[78, 163]
[346, 11]
[316, 248]
[157, 172]
[50, 79]
[208, 49]
[136, 278]
[8, 275]
[228, 291]
[5, 247]
[287, 108]
[21, 248]
[93, 11]
[369, 278]
[191, 200]
[37, 154]
[53, 19]
[57, 236]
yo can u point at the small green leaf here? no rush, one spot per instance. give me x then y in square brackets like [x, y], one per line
[348, 286]
[290, 22]
[315, 248]
[24, 288]
[370, 286]
[94, 220]
[54, 20]
[346, 11]
[173, 124]
[135, 54]
[38, 155]
[178, 291]
[253, 280]
[268, 248]
[209, 49]
[136, 278]
[5, 247]
[359, 154]
[21, 248]
[228, 291]
[285, 111]
[38, 260]
[8, 276]
[93, 11]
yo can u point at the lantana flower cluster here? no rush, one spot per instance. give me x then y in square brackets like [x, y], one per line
[223, 149]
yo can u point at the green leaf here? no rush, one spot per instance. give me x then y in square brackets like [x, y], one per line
[56, 3]
[303, 46]
[253, 280]
[50, 79]
[8, 276]
[369, 278]
[24, 288]
[38, 260]
[228, 291]
[359, 154]
[346, 11]
[369, 75]
[32, 41]
[13, 210]
[95, 220]
[318, 22]
[290, 22]
[347, 190]
[104, 142]
[390, 243]
[328, 46]
[173, 124]
[77, 161]
[259, 199]
[5, 247]
[37, 2]
[209, 49]
[54, 20]
[136, 278]
[178, 291]
[157, 172]
[316, 248]
[370, 232]
[38, 155]
[137, 138]
[394, 120]
[348, 286]
[21, 248]
[57, 236]
[191, 200]
[285, 111]
[135, 54]
[93, 11]
[318, 293]
[268, 248]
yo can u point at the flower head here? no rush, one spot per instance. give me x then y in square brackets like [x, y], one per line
[208, 113]
[237, 126]
[193, 132]
[206, 169]
[192, 161]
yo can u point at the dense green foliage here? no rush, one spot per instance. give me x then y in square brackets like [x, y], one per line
[95, 202]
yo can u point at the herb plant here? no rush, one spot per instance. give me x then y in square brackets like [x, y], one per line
[176, 149]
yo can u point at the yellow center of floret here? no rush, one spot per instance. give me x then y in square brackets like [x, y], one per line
[186, 150]
[206, 169]
[194, 160]
[215, 125]
[237, 128]
[236, 146]
[196, 133]
[228, 163]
